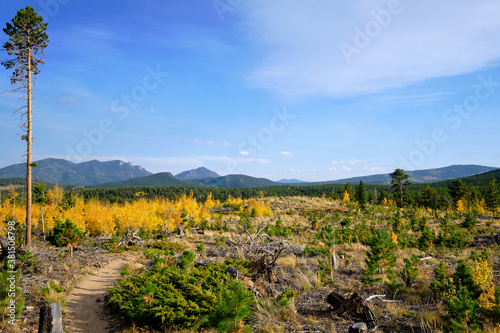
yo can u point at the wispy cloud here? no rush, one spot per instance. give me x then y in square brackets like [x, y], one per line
[196, 141]
[67, 100]
[374, 169]
[342, 168]
[416, 45]
[349, 161]
[286, 154]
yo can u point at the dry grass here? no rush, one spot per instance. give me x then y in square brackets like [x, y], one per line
[397, 309]
[270, 317]
[134, 267]
[49, 294]
[307, 280]
[288, 261]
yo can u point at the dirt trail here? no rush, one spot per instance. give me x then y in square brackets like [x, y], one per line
[83, 312]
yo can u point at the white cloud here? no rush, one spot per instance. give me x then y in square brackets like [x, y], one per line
[424, 40]
[342, 168]
[244, 153]
[355, 161]
[225, 143]
[197, 141]
[193, 141]
[374, 169]
[286, 154]
[349, 161]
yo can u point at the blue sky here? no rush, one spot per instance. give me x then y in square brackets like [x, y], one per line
[278, 89]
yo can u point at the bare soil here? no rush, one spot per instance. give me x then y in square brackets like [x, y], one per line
[85, 311]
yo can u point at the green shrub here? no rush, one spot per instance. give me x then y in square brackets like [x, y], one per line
[438, 283]
[167, 246]
[65, 234]
[187, 260]
[234, 306]
[202, 297]
[200, 247]
[470, 221]
[380, 257]
[243, 266]
[28, 262]
[410, 270]
[452, 236]
[461, 316]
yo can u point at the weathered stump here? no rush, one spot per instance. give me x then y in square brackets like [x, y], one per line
[353, 305]
[358, 328]
[50, 318]
[335, 300]
[180, 231]
[232, 272]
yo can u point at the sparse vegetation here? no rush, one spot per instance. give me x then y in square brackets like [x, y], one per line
[408, 254]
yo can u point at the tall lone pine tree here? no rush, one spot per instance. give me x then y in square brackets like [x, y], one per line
[26, 43]
[399, 183]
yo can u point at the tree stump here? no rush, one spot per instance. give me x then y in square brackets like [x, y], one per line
[50, 318]
[358, 328]
[232, 272]
[335, 300]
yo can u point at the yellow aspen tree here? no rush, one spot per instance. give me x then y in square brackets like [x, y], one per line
[346, 197]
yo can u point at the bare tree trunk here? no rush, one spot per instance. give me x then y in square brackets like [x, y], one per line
[29, 140]
[43, 226]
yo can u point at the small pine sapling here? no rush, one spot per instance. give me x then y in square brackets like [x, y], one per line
[409, 272]
[65, 234]
[234, 307]
[461, 315]
[438, 283]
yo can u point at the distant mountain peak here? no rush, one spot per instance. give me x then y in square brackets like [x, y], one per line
[197, 173]
[290, 181]
[63, 172]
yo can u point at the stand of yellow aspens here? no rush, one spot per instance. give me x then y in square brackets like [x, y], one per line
[152, 214]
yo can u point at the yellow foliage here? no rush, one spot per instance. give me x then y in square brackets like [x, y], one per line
[233, 201]
[101, 218]
[55, 194]
[258, 207]
[394, 238]
[346, 197]
[386, 202]
[461, 205]
[482, 274]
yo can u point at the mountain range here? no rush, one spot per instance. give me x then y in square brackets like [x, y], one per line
[418, 176]
[63, 172]
[201, 172]
[120, 174]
